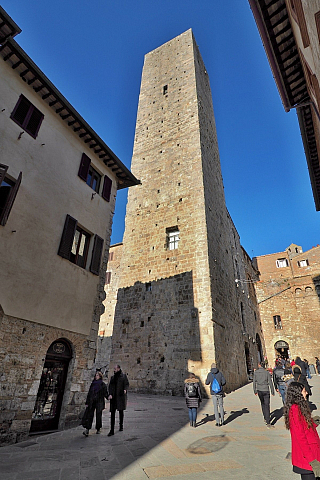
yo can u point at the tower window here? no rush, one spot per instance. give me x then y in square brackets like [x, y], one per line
[173, 238]
[303, 263]
[282, 262]
[148, 287]
[277, 322]
[165, 89]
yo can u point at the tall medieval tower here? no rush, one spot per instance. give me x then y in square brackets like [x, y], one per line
[179, 308]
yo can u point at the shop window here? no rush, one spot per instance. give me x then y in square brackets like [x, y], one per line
[27, 116]
[277, 322]
[8, 192]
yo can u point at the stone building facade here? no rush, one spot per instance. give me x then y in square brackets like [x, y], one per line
[179, 307]
[104, 341]
[290, 32]
[288, 293]
[58, 185]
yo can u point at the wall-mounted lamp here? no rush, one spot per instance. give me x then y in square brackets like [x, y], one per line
[92, 195]
[20, 135]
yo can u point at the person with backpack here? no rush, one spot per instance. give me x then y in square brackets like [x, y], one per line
[217, 381]
[279, 373]
[193, 397]
[261, 384]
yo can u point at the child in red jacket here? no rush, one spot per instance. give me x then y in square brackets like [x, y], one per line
[305, 442]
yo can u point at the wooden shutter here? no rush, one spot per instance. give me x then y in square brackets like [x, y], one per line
[96, 255]
[302, 23]
[107, 188]
[33, 122]
[84, 167]
[10, 200]
[3, 171]
[21, 110]
[67, 237]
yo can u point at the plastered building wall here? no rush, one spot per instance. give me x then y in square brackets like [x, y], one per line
[44, 297]
[292, 292]
[179, 310]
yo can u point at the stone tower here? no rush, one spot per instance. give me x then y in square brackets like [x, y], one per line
[179, 308]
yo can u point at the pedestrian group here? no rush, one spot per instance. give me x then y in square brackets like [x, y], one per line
[289, 380]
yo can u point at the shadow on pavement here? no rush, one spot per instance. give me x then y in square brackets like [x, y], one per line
[276, 415]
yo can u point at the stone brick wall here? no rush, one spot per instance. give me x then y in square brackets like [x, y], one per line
[104, 340]
[293, 292]
[179, 310]
[23, 348]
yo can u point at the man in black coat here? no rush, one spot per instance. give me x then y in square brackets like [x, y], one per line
[118, 388]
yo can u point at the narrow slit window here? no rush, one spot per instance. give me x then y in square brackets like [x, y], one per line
[277, 322]
[165, 89]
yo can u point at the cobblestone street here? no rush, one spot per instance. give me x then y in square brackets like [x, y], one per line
[158, 442]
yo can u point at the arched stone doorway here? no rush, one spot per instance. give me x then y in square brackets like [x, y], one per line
[259, 348]
[282, 348]
[47, 408]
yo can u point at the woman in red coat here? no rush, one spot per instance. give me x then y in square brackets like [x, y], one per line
[305, 442]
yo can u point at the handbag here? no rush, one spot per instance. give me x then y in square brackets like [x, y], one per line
[84, 421]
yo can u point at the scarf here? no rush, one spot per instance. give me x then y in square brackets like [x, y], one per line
[96, 386]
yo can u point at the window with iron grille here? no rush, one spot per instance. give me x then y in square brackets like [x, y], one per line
[27, 116]
[277, 322]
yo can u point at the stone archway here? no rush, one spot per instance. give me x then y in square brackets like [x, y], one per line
[282, 348]
[259, 348]
[48, 404]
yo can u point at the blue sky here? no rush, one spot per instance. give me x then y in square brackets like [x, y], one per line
[93, 52]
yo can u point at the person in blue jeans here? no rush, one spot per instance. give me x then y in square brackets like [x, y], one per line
[193, 397]
[278, 380]
[217, 381]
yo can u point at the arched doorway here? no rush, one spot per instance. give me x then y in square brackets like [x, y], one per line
[259, 348]
[248, 358]
[282, 348]
[47, 408]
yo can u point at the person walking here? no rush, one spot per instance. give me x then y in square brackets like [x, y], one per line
[302, 365]
[193, 397]
[118, 387]
[278, 380]
[317, 365]
[307, 368]
[305, 442]
[261, 384]
[95, 402]
[217, 381]
[298, 376]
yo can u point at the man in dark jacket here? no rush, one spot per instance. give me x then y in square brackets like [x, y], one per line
[216, 379]
[261, 384]
[302, 365]
[118, 388]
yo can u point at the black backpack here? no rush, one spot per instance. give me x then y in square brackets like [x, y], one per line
[191, 390]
